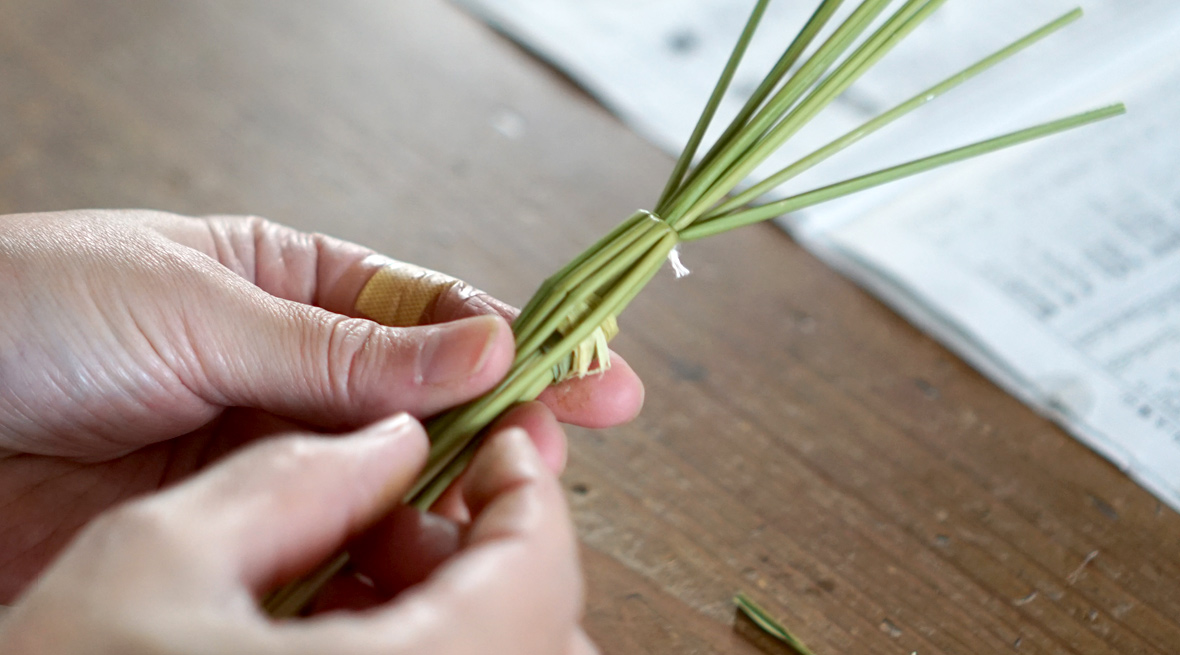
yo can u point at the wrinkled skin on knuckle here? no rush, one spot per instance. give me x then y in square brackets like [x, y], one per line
[350, 357]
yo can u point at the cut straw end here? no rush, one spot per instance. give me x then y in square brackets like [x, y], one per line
[592, 354]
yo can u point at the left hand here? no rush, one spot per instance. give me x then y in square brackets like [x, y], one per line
[136, 347]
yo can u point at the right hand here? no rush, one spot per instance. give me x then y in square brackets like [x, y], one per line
[181, 571]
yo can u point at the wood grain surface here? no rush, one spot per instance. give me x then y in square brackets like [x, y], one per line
[800, 441]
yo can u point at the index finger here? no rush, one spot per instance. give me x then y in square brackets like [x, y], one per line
[608, 398]
[516, 586]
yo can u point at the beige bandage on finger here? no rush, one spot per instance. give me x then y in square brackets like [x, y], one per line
[399, 294]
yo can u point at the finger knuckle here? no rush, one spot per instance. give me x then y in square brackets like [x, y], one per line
[290, 453]
[348, 343]
[464, 299]
[145, 522]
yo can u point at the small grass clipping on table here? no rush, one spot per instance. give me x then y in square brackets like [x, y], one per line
[562, 332]
[768, 624]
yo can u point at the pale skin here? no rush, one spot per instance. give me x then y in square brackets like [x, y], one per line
[221, 361]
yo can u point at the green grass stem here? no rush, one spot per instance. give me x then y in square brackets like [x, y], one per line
[847, 187]
[904, 21]
[919, 100]
[823, 14]
[698, 134]
[542, 292]
[797, 85]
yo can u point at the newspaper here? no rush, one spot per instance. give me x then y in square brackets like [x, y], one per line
[1053, 268]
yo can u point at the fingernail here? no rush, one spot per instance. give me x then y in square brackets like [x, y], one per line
[457, 351]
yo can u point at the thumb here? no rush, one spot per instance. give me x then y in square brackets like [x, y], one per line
[304, 362]
[178, 571]
[280, 507]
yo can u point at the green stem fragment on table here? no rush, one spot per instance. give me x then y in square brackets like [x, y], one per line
[563, 329]
[761, 618]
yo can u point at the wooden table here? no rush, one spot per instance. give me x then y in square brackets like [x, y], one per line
[800, 441]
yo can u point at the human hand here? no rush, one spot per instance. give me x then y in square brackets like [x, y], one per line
[181, 571]
[132, 339]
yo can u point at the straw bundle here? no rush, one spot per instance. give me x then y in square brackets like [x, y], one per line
[563, 331]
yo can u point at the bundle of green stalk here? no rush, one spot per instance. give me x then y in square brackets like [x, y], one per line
[563, 331]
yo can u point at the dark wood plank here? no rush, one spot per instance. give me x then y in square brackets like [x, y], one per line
[801, 442]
